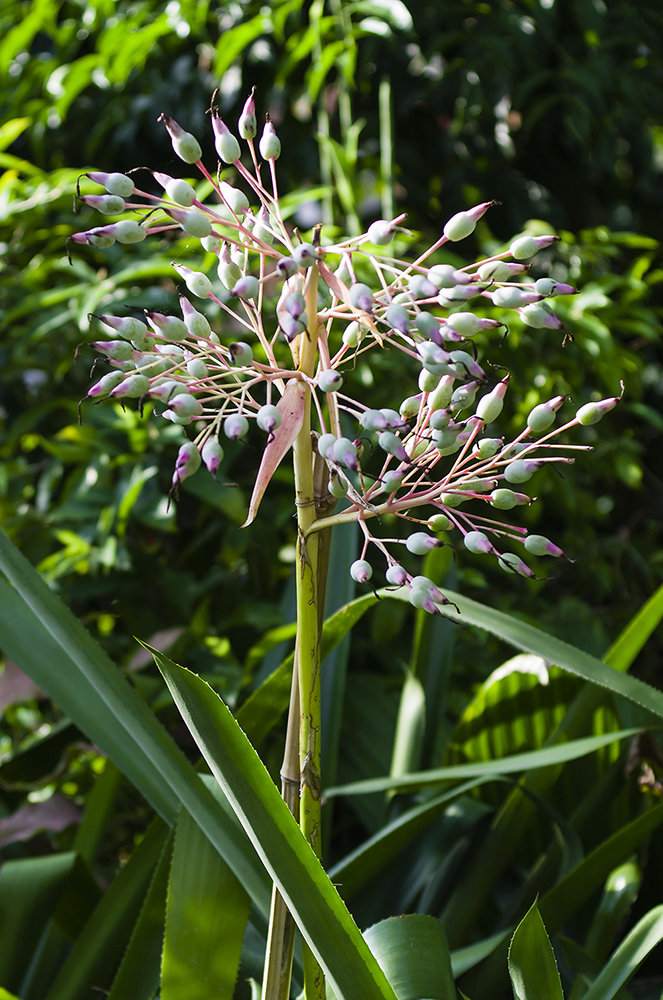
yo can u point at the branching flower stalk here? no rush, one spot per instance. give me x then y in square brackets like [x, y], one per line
[296, 316]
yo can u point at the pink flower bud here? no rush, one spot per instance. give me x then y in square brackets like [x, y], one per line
[511, 563]
[540, 316]
[118, 350]
[132, 387]
[197, 282]
[548, 286]
[476, 541]
[510, 297]
[591, 413]
[503, 499]
[490, 405]
[270, 144]
[396, 575]
[225, 142]
[105, 384]
[345, 453]
[246, 288]
[235, 426]
[539, 545]
[118, 184]
[107, 204]
[186, 463]
[526, 246]
[212, 455]
[419, 543]
[185, 144]
[361, 571]
[361, 297]
[304, 255]
[463, 223]
[247, 126]
[543, 416]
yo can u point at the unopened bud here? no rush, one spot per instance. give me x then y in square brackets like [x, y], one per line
[543, 416]
[241, 354]
[186, 463]
[419, 543]
[131, 388]
[540, 316]
[397, 317]
[490, 405]
[304, 255]
[247, 126]
[521, 470]
[539, 545]
[247, 287]
[197, 282]
[330, 380]
[212, 454]
[591, 413]
[270, 144]
[114, 183]
[268, 418]
[225, 142]
[361, 571]
[235, 426]
[396, 575]
[380, 232]
[107, 204]
[526, 246]
[476, 541]
[345, 453]
[105, 384]
[185, 144]
[511, 563]
[510, 297]
[361, 296]
[463, 223]
[168, 327]
[504, 499]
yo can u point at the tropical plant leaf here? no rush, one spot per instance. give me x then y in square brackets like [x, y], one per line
[532, 965]
[414, 954]
[316, 906]
[624, 961]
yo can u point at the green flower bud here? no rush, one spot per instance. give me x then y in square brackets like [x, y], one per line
[543, 416]
[539, 545]
[396, 575]
[118, 184]
[270, 144]
[420, 544]
[240, 354]
[246, 288]
[191, 221]
[235, 426]
[247, 126]
[131, 388]
[464, 223]
[330, 380]
[361, 296]
[476, 541]
[521, 470]
[225, 142]
[439, 522]
[361, 571]
[490, 405]
[268, 418]
[504, 499]
[488, 447]
[351, 334]
[197, 282]
[212, 454]
[186, 146]
[526, 246]
[197, 368]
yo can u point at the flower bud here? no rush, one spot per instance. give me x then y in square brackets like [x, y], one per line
[410, 407]
[446, 276]
[543, 416]
[185, 405]
[197, 368]
[270, 144]
[229, 273]
[540, 316]
[361, 296]
[463, 223]
[246, 288]
[235, 199]
[434, 359]
[235, 426]
[526, 246]
[503, 499]
[291, 327]
[176, 189]
[268, 418]
[439, 420]
[548, 286]
[419, 543]
[337, 485]
[351, 334]
[304, 255]
[361, 571]
[420, 287]
[247, 126]
[499, 270]
[168, 327]
[186, 463]
[511, 563]
[463, 364]
[107, 204]
[326, 444]
[330, 380]
[439, 522]
[397, 317]
[459, 293]
[428, 381]
[295, 304]
[380, 232]
[240, 354]
[286, 266]
[118, 350]
[488, 447]
[131, 388]
[105, 385]
[345, 453]
[476, 541]
[392, 480]
[420, 598]
[373, 420]
[591, 413]
[427, 325]
[490, 405]
[521, 470]
[193, 222]
[99, 237]
[464, 395]
[197, 282]
[396, 575]
[226, 144]
[164, 389]
[212, 455]
[186, 146]
[393, 445]
[196, 323]
[118, 184]
[539, 545]
[510, 297]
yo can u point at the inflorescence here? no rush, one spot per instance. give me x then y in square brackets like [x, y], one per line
[422, 461]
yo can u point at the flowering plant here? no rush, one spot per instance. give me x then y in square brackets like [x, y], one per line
[297, 315]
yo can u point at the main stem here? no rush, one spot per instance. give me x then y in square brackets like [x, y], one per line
[307, 650]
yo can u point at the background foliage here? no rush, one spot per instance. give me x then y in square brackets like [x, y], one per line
[553, 109]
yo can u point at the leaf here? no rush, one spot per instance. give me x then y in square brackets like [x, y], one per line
[545, 757]
[291, 406]
[414, 954]
[206, 917]
[635, 947]
[314, 903]
[532, 964]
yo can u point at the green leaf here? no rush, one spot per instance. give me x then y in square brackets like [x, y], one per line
[317, 908]
[414, 954]
[635, 947]
[42, 636]
[532, 964]
[206, 918]
[545, 757]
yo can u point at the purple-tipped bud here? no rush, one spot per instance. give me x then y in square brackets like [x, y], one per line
[229, 273]
[270, 144]
[295, 304]
[396, 575]
[421, 599]
[526, 246]
[464, 395]
[118, 350]
[393, 445]
[394, 420]
[463, 223]
[433, 357]
[168, 327]
[240, 354]
[107, 204]
[428, 326]
[373, 420]
[521, 470]
[268, 418]
[361, 296]
[419, 543]
[185, 144]
[286, 266]
[326, 444]
[344, 452]
[488, 447]
[504, 499]
[510, 297]
[105, 385]
[225, 142]
[291, 327]
[591, 413]
[186, 463]
[164, 390]
[185, 405]
[439, 522]
[512, 563]
[361, 571]
[380, 232]
[541, 417]
[235, 426]
[548, 286]
[304, 255]
[193, 222]
[247, 126]
[446, 276]
[539, 545]
[177, 190]
[131, 388]
[247, 287]
[410, 407]
[392, 480]
[330, 380]
[197, 282]
[463, 364]
[476, 541]
[196, 323]
[490, 405]
[118, 184]
[212, 455]
[197, 368]
[420, 287]
[397, 317]
[100, 238]
[500, 270]
[540, 316]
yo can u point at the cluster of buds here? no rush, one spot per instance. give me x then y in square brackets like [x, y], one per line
[423, 461]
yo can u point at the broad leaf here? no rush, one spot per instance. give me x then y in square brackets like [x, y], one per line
[532, 965]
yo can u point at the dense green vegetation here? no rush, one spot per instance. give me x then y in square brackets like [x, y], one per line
[554, 111]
